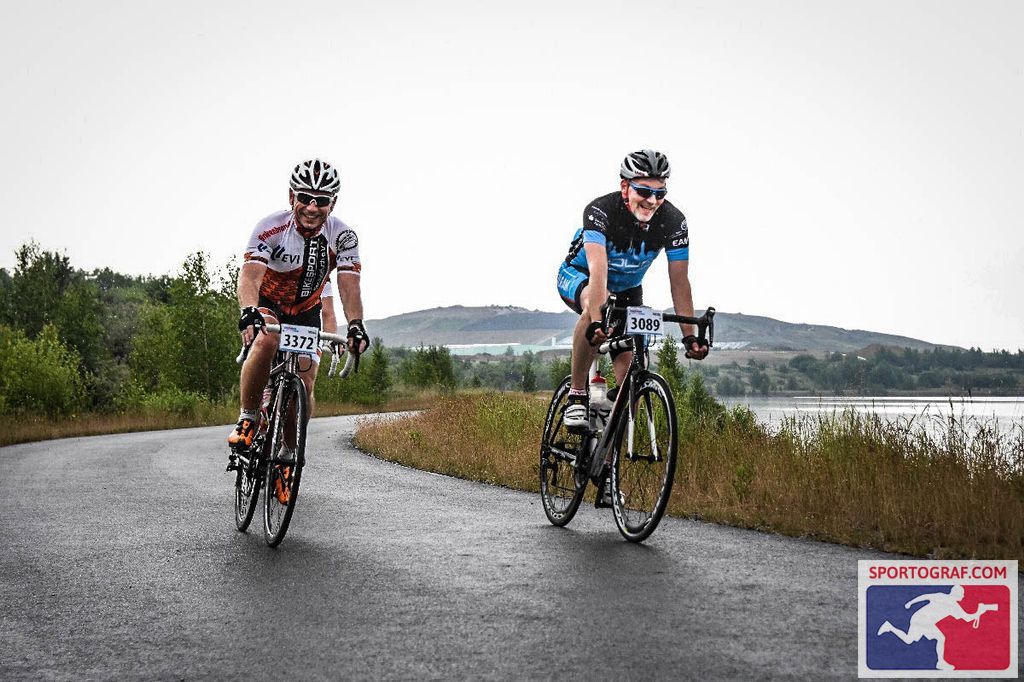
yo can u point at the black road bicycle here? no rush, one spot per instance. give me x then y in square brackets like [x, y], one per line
[632, 448]
[269, 462]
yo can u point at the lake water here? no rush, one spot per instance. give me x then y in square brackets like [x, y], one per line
[1006, 412]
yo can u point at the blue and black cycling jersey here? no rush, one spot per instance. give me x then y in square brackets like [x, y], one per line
[632, 246]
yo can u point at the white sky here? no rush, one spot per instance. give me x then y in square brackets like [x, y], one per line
[857, 164]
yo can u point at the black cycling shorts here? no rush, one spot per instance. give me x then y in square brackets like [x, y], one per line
[309, 318]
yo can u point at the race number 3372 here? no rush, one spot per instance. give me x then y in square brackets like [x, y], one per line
[298, 339]
[921, 618]
[643, 320]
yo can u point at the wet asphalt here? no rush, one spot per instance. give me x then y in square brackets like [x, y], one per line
[119, 559]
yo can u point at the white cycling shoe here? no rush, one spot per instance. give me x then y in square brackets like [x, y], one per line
[577, 415]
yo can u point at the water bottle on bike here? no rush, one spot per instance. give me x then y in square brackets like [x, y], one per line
[600, 406]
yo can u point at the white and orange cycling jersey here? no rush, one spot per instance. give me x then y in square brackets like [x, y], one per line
[298, 267]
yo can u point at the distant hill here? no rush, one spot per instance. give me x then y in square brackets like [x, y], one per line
[508, 324]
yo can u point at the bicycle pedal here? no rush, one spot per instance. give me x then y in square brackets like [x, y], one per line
[603, 500]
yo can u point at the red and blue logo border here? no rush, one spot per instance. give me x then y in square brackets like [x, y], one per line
[921, 572]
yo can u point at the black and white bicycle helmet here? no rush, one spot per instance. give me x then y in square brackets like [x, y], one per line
[645, 163]
[315, 176]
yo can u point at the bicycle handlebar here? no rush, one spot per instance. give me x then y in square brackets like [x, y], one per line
[705, 324]
[322, 336]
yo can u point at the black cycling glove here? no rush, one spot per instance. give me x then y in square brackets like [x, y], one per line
[592, 329]
[688, 342]
[250, 317]
[357, 334]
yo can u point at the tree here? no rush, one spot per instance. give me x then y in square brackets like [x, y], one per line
[378, 377]
[729, 386]
[558, 370]
[529, 384]
[759, 382]
[430, 366]
[190, 343]
[45, 290]
[668, 363]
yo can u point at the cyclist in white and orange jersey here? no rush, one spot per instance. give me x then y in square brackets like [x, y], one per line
[288, 261]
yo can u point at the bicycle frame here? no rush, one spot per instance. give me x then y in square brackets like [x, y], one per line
[637, 366]
[284, 364]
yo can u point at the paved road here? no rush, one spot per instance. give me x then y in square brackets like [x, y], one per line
[120, 560]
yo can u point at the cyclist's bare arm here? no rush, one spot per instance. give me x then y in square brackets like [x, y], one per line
[682, 300]
[250, 277]
[682, 294]
[351, 295]
[597, 288]
[328, 318]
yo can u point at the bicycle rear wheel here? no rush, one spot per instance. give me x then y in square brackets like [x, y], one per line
[561, 485]
[645, 459]
[282, 475]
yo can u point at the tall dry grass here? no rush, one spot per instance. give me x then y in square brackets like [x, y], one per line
[945, 489]
[489, 437]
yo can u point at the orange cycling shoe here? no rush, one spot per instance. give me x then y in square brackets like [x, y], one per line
[283, 494]
[242, 436]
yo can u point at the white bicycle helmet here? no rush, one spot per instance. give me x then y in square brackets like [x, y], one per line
[315, 176]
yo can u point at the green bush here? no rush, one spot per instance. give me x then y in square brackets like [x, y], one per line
[370, 386]
[133, 397]
[558, 370]
[429, 367]
[39, 375]
[175, 401]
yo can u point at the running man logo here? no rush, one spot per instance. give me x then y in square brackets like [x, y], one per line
[937, 618]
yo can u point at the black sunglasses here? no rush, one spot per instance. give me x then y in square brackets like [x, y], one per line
[317, 199]
[648, 192]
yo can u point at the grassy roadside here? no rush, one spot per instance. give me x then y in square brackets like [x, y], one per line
[29, 428]
[953, 489]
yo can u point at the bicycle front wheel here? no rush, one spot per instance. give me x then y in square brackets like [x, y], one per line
[247, 492]
[561, 485]
[645, 459]
[283, 464]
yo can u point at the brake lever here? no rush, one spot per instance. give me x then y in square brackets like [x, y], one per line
[708, 326]
[333, 369]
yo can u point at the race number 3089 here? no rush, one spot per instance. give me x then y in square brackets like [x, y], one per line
[298, 339]
[643, 320]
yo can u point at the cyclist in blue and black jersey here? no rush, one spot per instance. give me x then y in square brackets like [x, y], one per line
[623, 232]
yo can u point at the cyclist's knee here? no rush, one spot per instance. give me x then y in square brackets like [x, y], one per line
[265, 344]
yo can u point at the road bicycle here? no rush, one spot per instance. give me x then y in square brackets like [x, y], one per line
[630, 444]
[270, 462]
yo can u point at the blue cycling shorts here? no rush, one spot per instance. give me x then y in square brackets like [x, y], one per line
[571, 282]
[570, 285]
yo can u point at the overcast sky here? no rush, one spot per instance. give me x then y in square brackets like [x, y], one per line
[857, 164]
